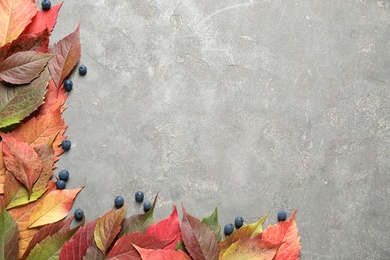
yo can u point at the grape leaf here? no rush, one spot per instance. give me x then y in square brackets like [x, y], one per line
[286, 234]
[54, 100]
[168, 228]
[23, 67]
[38, 42]
[77, 246]
[15, 15]
[252, 230]
[17, 102]
[107, 227]
[212, 222]
[22, 161]
[9, 234]
[250, 248]
[150, 254]
[124, 249]
[67, 53]
[54, 207]
[199, 239]
[43, 19]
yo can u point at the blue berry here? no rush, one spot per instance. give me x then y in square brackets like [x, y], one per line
[46, 4]
[282, 215]
[78, 214]
[119, 201]
[228, 229]
[60, 184]
[82, 70]
[64, 175]
[147, 206]
[66, 144]
[139, 196]
[239, 221]
[68, 85]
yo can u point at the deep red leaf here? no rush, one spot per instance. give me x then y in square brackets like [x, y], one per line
[168, 228]
[149, 254]
[43, 19]
[199, 240]
[77, 246]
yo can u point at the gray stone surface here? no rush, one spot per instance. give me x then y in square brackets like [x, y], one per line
[249, 105]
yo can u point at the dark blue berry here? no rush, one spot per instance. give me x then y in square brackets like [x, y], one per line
[66, 144]
[68, 85]
[147, 206]
[63, 175]
[139, 196]
[46, 4]
[60, 184]
[228, 229]
[119, 201]
[238, 222]
[78, 214]
[282, 215]
[82, 70]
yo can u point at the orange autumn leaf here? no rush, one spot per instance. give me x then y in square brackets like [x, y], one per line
[52, 208]
[161, 254]
[54, 99]
[15, 15]
[250, 248]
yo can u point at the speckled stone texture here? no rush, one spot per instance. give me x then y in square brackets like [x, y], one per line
[253, 106]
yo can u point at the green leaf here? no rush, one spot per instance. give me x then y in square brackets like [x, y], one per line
[9, 234]
[17, 102]
[212, 222]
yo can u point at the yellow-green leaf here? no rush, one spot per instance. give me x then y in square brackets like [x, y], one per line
[9, 234]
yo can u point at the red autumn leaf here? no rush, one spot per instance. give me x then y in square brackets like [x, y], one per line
[67, 53]
[107, 227]
[76, 247]
[150, 254]
[250, 248]
[23, 67]
[46, 231]
[52, 208]
[43, 19]
[15, 15]
[168, 228]
[123, 248]
[199, 240]
[2, 170]
[54, 99]
[286, 234]
[22, 161]
[38, 42]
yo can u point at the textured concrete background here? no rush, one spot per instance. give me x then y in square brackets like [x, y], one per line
[249, 105]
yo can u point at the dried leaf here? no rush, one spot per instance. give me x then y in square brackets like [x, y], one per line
[43, 19]
[23, 67]
[250, 248]
[199, 239]
[150, 254]
[286, 234]
[167, 229]
[212, 222]
[15, 15]
[17, 102]
[9, 234]
[67, 53]
[54, 207]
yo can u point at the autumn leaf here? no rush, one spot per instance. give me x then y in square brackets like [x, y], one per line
[107, 227]
[15, 15]
[54, 207]
[212, 222]
[123, 248]
[286, 234]
[93, 253]
[43, 19]
[54, 100]
[2, 169]
[199, 239]
[149, 254]
[252, 231]
[168, 228]
[67, 53]
[9, 234]
[22, 161]
[77, 246]
[17, 102]
[250, 248]
[38, 42]
[23, 67]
